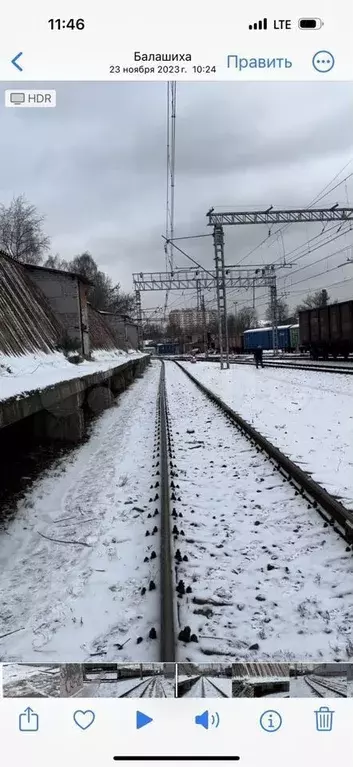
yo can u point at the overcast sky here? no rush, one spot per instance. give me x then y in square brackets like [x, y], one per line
[96, 167]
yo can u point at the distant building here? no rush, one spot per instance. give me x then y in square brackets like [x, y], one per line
[191, 319]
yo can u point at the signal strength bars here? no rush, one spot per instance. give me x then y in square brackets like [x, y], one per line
[259, 25]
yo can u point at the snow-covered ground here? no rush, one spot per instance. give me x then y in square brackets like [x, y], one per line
[21, 681]
[307, 415]
[19, 375]
[80, 597]
[159, 687]
[269, 580]
[316, 687]
[206, 687]
[330, 687]
[223, 684]
[195, 690]
[299, 688]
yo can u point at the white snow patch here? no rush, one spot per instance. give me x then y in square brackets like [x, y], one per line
[308, 415]
[30, 372]
[72, 603]
[271, 582]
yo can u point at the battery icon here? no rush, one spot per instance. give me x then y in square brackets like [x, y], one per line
[310, 23]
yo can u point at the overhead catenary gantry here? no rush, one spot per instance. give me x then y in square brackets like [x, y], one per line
[224, 277]
[201, 279]
[269, 216]
[188, 279]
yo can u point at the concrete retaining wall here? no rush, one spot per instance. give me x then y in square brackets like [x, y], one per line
[61, 411]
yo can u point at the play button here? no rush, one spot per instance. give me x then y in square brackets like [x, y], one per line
[142, 720]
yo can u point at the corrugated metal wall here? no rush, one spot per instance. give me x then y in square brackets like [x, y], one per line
[27, 323]
[100, 334]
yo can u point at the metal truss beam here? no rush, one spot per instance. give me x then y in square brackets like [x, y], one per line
[187, 279]
[270, 216]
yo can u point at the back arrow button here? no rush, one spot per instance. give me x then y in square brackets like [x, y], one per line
[14, 62]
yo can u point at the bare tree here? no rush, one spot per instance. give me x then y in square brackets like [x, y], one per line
[246, 318]
[104, 295]
[314, 300]
[282, 311]
[55, 262]
[21, 231]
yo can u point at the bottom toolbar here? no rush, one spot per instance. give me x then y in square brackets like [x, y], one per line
[98, 732]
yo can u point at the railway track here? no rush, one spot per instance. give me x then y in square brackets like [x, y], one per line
[137, 690]
[181, 636]
[146, 689]
[204, 687]
[334, 368]
[209, 683]
[324, 690]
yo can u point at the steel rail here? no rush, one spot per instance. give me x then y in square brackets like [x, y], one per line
[312, 683]
[167, 587]
[222, 694]
[282, 365]
[327, 506]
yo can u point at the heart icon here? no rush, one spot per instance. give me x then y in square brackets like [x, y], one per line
[84, 719]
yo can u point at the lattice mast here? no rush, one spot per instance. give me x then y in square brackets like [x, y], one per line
[169, 224]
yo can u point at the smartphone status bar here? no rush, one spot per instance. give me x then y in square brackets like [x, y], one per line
[107, 42]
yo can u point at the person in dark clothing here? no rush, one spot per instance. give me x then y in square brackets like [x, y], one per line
[258, 357]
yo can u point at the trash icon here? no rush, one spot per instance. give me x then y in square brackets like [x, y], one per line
[324, 719]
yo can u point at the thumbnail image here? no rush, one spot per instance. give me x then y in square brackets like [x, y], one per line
[260, 680]
[133, 680]
[205, 680]
[319, 680]
[105, 680]
[32, 680]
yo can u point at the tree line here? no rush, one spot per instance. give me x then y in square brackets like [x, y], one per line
[22, 236]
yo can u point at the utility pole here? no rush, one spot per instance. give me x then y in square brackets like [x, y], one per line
[218, 240]
[171, 119]
[204, 330]
[138, 310]
[198, 295]
[274, 315]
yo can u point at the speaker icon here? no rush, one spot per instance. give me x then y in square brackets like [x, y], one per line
[207, 719]
[259, 25]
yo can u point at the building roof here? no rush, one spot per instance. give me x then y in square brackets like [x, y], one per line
[79, 277]
[269, 327]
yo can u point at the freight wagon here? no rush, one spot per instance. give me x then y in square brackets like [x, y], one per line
[294, 337]
[264, 337]
[327, 330]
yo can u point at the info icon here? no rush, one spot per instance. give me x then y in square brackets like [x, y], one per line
[270, 721]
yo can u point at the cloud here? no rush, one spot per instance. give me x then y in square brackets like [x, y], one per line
[96, 166]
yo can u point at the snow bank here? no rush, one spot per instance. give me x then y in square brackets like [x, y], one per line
[30, 372]
[75, 602]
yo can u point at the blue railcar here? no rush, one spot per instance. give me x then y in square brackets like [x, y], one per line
[264, 337]
[168, 349]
